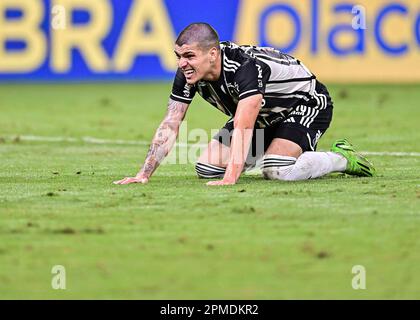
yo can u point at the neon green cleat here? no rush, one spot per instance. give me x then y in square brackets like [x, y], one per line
[357, 165]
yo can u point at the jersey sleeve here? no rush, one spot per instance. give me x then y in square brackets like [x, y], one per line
[181, 90]
[250, 79]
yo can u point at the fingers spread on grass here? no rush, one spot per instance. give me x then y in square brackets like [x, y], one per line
[118, 181]
[129, 180]
[124, 181]
[219, 183]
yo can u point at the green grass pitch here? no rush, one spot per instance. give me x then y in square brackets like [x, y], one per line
[176, 238]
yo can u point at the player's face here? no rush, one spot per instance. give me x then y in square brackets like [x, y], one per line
[194, 62]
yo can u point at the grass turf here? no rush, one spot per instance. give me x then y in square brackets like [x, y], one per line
[176, 238]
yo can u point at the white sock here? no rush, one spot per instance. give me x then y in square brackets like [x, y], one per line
[339, 163]
[309, 165]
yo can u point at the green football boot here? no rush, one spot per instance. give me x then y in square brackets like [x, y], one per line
[357, 165]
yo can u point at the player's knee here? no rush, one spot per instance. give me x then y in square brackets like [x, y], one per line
[209, 171]
[275, 167]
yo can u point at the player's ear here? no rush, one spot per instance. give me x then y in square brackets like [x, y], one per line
[213, 53]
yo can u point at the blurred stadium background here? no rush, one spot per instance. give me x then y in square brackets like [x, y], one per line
[83, 85]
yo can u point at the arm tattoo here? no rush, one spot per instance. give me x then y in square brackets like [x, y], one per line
[165, 136]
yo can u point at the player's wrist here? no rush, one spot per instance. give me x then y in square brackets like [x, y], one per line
[142, 175]
[230, 179]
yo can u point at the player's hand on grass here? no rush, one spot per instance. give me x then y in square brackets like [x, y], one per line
[223, 182]
[136, 179]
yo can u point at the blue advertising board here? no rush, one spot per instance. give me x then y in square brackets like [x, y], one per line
[108, 40]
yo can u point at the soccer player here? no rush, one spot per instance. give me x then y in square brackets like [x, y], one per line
[277, 109]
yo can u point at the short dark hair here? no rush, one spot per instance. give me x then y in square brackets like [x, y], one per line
[199, 32]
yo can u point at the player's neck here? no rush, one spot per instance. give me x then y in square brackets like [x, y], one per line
[215, 72]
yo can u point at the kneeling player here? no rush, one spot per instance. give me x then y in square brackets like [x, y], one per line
[278, 110]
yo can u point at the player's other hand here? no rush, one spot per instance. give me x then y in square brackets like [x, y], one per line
[136, 179]
[221, 183]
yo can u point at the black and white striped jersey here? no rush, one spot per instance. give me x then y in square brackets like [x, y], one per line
[284, 82]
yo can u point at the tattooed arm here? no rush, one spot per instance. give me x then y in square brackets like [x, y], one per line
[162, 142]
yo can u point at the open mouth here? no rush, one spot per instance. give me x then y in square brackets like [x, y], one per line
[188, 73]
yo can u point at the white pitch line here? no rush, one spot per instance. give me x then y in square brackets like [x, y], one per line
[391, 153]
[93, 140]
